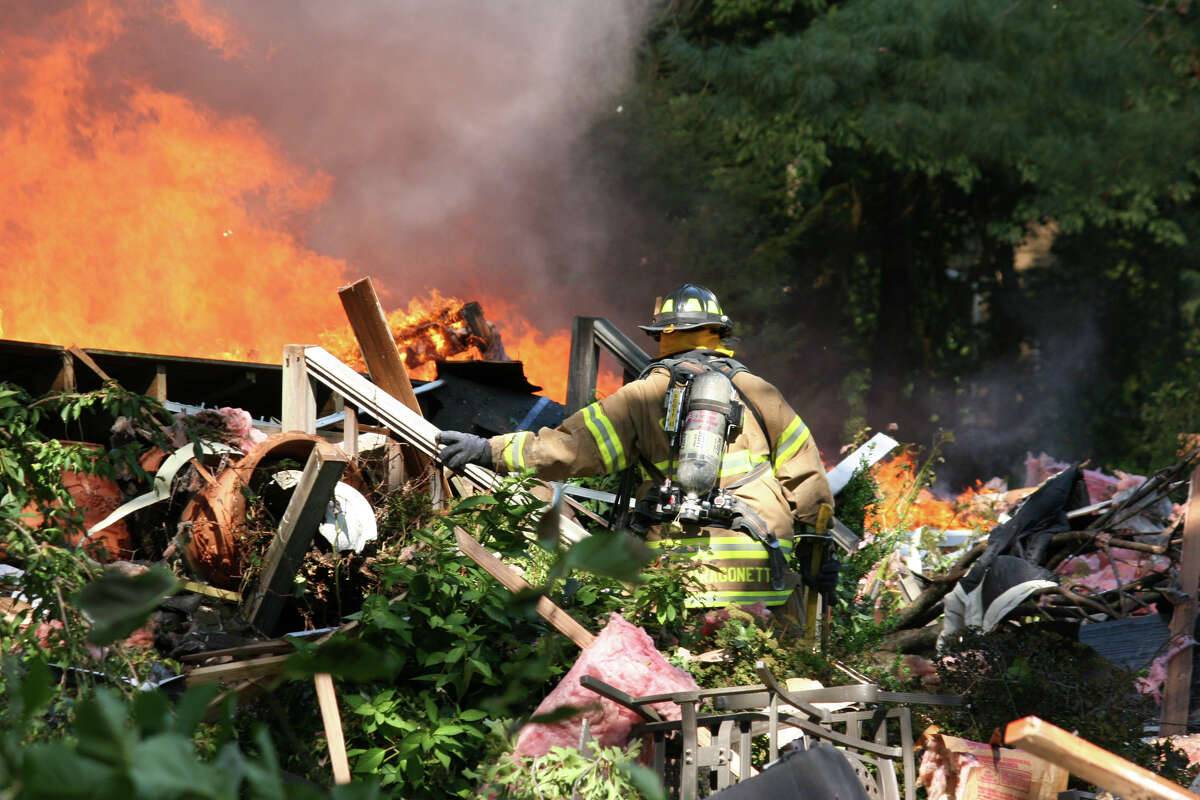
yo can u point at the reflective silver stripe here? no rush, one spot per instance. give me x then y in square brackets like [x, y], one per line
[790, 442]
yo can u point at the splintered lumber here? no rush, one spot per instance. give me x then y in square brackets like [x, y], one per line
[304, 514]
[379, 350]
[332, 719]
[409, 426]
[563, 622]
[1177, 689]
[1092, 763]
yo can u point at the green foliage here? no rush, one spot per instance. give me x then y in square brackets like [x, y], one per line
[1017, 671]
[121, 750]
[564, 773]
[118, 604]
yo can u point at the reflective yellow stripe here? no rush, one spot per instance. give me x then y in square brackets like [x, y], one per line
[719, 544]
[607, 441]
[739, 463]
[790, 441]
[514, 451]
[719, 599]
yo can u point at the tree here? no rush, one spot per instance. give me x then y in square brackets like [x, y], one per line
[868, 168]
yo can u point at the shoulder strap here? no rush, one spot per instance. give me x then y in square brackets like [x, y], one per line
[727, 365]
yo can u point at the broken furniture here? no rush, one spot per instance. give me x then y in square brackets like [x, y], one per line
[864, 732]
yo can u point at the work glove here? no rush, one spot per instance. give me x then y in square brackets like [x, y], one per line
[462, 449]
[825, 581]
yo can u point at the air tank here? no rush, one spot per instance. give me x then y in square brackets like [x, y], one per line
[702, 440]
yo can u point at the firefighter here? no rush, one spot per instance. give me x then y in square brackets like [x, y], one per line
[769, 470]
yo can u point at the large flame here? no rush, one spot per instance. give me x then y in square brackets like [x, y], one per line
[141, 220]
[902, 507]
[430, 329]
[145, 222]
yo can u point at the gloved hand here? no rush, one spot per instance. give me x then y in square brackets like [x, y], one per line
[826, 581]
[464, 448]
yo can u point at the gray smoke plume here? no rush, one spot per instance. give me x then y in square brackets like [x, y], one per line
[453, 131]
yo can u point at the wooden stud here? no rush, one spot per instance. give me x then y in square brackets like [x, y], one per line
[1092, 763]
[332, 719]
[584, 365]
[299, 402]
[350, 432]
[237, 670]
[158, 384]
[1177, 689]
[304, 514]
[64, 381]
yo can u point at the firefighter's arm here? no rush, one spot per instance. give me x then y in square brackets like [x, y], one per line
[595, 440]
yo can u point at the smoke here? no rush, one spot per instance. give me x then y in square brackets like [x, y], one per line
[453, 131]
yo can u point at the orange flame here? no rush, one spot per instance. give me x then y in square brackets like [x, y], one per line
[431, 329]
[896, 477]
[151, 224]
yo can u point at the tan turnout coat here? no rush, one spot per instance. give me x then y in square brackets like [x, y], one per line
[614, 433]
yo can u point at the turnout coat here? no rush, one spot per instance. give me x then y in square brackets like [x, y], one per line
[627, 427]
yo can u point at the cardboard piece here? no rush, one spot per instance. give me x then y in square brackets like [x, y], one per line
[959, 769]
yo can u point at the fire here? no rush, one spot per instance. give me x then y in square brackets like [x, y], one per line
[432, 328]
[145, 222]
[896, 478]
[136, 219]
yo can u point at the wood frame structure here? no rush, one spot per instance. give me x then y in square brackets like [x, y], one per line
[588, 335]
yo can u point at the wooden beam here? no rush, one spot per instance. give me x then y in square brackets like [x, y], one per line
[304, 513]
[158, 384]
[237, 670]
[379, 350]
[563, 622]
[1092, 763]
[299, 402]
[350, 432]
[332, 719]
[91, 364]
[584, 365]
[1177, 688]
[409, 426]
[64, 381]
[382, 356]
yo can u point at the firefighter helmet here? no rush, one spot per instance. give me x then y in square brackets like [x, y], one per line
[688, 307]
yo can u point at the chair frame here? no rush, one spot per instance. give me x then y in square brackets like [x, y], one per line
[756, 710]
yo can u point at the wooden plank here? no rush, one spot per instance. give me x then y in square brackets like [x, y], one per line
[1177, 689]
[382, 356]
[332, 719]
[210, 591]
[237, 670]
[304, 513]
[1092, 763]
[379, 350]
[350, 432]
[299, 402]
[584, 364]
[563, 622]
[398, 418]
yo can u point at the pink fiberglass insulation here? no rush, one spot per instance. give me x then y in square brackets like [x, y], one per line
[1096, 572]
[624, 656]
